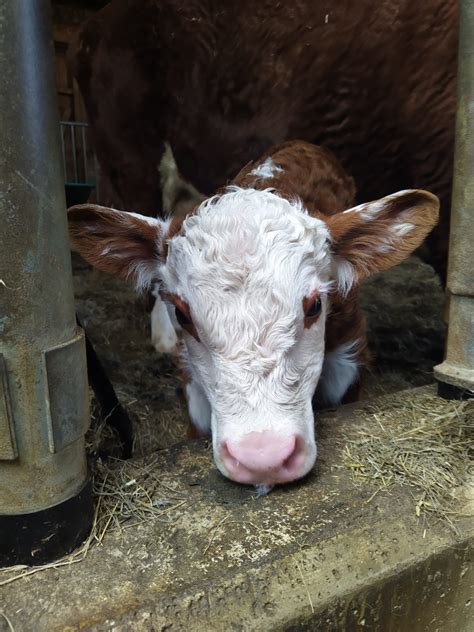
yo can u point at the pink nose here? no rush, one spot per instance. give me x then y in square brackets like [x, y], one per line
[264, 458]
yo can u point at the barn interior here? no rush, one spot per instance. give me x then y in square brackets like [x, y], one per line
[404, 306]
[368, 540]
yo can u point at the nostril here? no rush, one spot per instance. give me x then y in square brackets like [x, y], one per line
[297, 457]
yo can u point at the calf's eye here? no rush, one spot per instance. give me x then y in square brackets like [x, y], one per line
[183, 315]
[313, 308]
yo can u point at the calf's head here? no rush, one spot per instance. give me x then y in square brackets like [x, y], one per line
[250, 275]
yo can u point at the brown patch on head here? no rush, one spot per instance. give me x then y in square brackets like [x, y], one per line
[308, 172]
[183, 315]
[193, 432]
[346, 323]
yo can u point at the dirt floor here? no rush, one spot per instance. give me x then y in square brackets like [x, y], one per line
[364, 538]
[404, 309]
[176, 546]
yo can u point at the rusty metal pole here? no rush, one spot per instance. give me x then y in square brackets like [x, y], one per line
[456, 374]
[45, 494]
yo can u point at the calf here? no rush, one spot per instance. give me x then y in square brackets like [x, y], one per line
[262, 280]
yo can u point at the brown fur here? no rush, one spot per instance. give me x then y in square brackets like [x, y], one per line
[309, 172]
[224, 81]
[94, 229]
[355, 239]
[183, 307]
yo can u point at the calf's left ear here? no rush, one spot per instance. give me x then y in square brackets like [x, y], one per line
[377, 235]
[127, 245]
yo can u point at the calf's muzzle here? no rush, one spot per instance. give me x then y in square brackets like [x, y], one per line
[264, 458]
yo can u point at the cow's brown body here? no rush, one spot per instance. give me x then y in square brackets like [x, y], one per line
[222, 82]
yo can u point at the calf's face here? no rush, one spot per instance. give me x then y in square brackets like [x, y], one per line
[250, 276]
[252, 272]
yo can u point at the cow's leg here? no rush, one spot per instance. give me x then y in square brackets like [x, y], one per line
[112, 411]
[340, 372]
[199, 411]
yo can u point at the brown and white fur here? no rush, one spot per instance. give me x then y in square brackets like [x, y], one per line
[263, 281]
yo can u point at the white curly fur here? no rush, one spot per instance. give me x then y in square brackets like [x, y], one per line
[244, 262]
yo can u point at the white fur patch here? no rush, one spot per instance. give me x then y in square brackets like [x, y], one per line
[163, 334]
[369, 210]
[389, 243]
[266, 170]
[244, 263]
[152, 221]
[146, 271]
[345, 273]
[402, 228]
[340, 370]
[198, 407]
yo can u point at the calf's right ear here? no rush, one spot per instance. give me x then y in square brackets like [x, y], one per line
[127, 245]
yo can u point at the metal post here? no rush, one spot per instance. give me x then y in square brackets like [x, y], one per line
[45, 494]
[456, 373]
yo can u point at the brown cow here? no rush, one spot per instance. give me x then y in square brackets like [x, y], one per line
[224, 81]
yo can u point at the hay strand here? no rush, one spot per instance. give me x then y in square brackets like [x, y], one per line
[127, 493]
[424, 442]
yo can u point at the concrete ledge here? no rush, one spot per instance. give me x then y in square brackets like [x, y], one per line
[319, 555]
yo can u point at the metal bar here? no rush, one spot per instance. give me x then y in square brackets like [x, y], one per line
[45, 498]
[74, 158]
[456, 373]
[75, 123]
[97, 180]
[84, 151]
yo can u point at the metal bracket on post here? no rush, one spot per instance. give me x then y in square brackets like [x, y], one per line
[67, 395]
[8, 450]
